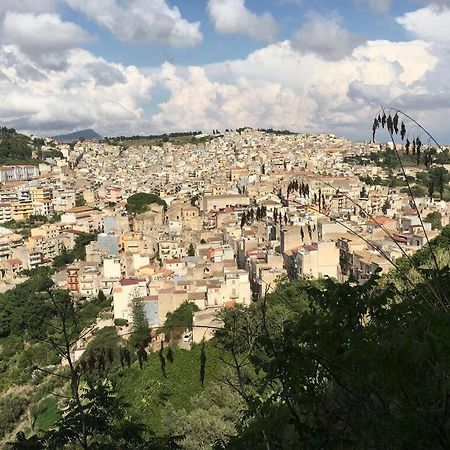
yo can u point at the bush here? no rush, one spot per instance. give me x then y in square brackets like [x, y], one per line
[121, 322]
[139, 203]
[11, 408]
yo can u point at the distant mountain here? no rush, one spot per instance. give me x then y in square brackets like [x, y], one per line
[77, 135]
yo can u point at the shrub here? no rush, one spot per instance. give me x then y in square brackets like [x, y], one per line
[121, 322]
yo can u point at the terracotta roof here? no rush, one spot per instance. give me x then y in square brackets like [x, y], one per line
[79, 209]
[130, 281]
[13, 261]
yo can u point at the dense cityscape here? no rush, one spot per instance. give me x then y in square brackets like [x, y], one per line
[224, 225]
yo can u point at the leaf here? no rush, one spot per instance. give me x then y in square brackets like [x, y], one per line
[395, 123]
[403, 131]
[390, 124]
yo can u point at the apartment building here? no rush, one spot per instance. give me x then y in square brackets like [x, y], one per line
[20, 172]
[128, 290]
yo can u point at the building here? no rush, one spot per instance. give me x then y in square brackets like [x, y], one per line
[14, 173]
[318, 260]
[128, 290]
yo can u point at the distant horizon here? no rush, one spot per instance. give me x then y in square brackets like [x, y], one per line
[158, 66]
[186, 132]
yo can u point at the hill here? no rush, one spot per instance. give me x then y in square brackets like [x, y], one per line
[16, 148]
[87, 134]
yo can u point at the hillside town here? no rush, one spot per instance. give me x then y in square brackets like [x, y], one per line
[240, 212]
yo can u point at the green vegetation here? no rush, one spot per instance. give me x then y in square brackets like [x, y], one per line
[430, 180]
[181, 138]
[120, 322]
[15, 148]
[80, 201]
[140, 202]
[140, 335]
[28, 319]
[11, 408]
[315, 364]
[180, 320]
[47, 413]
[435, 218]
[78, 251]
[149, 393]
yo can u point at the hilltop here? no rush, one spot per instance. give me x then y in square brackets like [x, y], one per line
[87, 134]
[16, 148]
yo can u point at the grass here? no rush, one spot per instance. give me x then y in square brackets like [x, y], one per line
[49, 414]
[147, 391]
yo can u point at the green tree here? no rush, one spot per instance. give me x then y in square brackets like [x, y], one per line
[179, 320]
[140, 334]
[139, 203]
[435, 218]
[191, 250]
[213, 419]
[80, 201]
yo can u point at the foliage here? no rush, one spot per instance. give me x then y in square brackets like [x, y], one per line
[212, 419]
[107, 426]
[179, 320]
[148, 392]
[191, 250]
[80, 201]
[140, 335]
[120, 322]
[138, 203]
[344, 366]
[11, 408]
[78, 252]
[435, 218]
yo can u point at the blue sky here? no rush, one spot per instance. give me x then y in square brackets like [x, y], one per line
[217, 47]
[151, 66]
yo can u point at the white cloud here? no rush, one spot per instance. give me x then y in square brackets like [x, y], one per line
[38, 6]
[279, 87]
[232, 16]
[73, 98]
[431, 23]
[326, 37]
[43, 37]
[141, 21]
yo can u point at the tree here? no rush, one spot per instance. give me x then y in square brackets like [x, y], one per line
[191, 250]
[80, 201]
[435, 218]
[213, 419]
[140, 335]
[324, 355]
[179, 320]
[139, 203]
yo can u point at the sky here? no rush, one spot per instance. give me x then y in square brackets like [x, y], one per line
[125, 67]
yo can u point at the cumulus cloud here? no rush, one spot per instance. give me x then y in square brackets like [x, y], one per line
[141, 21]
[232, 16]
[38, 6]
[41, 100]
[431, 23]
[43, 37]
[271, 88]
[325, 36]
